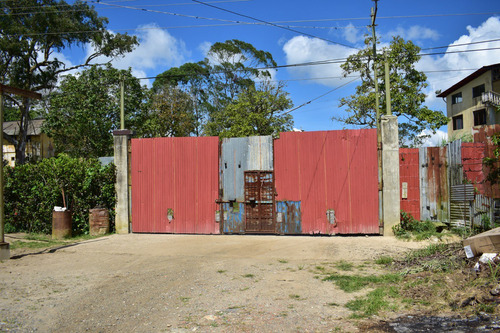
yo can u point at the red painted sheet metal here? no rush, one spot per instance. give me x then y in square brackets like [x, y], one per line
[330, 170]
[409, 173]
[472, 161]
[483, 135]
[175, 185]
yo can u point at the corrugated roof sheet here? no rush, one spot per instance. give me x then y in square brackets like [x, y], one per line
[34, 127]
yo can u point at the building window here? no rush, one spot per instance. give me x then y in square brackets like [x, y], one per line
[477, 91]
[458, 122]
[480, 117]
[457, 98]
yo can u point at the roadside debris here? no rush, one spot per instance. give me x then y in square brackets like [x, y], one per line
[486, 242]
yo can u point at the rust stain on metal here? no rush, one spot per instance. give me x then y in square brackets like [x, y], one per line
[259, 201]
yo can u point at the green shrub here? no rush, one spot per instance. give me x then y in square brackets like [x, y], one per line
[409, 226]
[32, 191]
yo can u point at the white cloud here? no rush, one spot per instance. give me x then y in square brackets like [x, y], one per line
[415, 32]
[157, 49]
[435, 139]
[302, 49]
[352, 34]
[490, 29]
[205, 47]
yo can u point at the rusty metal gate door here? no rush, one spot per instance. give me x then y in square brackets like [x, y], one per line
[259, 202]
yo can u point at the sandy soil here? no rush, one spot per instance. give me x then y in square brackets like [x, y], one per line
[180, 283]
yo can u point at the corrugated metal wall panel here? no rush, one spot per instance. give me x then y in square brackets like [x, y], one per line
[472, 161]
[330, 170]
[239, 155]
[454, 155]
[409, 173]
[433, 184]
[175, 185]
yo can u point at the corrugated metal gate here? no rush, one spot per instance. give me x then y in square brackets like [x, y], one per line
[175, 185]
[331, 178]
[302, 183]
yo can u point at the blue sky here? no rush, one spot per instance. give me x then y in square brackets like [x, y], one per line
[170, 35]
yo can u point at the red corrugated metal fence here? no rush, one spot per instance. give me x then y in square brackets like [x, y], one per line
[175, 185]
[409, 175]
[330, 170]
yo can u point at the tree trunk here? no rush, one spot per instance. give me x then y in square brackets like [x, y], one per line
[23, 133]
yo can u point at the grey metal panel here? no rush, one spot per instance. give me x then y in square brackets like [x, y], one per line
[233, 164]
[239, 155]
[260, 153]
[425, 204]
[455, 162]
[483, 206]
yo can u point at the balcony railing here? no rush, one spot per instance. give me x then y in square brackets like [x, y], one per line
[491, 97]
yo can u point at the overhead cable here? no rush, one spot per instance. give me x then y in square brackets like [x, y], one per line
[274, 25]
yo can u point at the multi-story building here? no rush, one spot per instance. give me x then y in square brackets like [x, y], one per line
[473, 102]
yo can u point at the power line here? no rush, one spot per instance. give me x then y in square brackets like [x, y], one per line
[320, 96]
[274, 25]
[463, 44]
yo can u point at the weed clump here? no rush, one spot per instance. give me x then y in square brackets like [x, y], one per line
[410, 228]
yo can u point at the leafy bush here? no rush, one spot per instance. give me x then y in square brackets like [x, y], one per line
[32, 191]
[408, 226]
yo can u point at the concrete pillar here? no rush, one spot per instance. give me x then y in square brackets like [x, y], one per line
[121, 144]
[390, 173]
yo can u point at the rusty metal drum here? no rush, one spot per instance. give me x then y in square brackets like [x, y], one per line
[61, 224]
[98, 221]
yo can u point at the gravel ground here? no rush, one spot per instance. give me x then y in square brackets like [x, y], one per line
[181, 283]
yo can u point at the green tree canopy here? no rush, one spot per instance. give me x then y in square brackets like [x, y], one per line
[256, 111]
[29, 42]
[407, 91]
[229, 69]
[86, 109]
[169, 113]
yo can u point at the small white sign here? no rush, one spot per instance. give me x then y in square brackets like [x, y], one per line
[468, 251]
[404, 191]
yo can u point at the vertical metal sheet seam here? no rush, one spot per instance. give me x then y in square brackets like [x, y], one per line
[326, 181]
[349, 179]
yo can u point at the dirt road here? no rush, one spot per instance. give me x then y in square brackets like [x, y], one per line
[180, 283]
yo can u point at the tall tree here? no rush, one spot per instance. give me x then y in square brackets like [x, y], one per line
[256, 111]
[407, 91]
[170, 113]
[86, 109]
[229, 68]
[32, 31]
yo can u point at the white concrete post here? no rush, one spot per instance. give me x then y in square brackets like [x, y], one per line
[121, 144]
[390, 173]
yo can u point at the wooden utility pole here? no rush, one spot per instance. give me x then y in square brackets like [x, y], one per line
[122, 107]
[387, 87]
[4, 247]
[375, 76]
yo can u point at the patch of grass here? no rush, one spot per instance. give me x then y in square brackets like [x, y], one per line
[344, 265]
[220, 271]
[300, 267]
[384, 260]
[369, 305]
[352, 283]
[294, 296]
[249, 276]
[426, 251]
[320, 268]
[184, 299]
[34, 245]
[332, 304]
[283, 261]
[244, 289]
